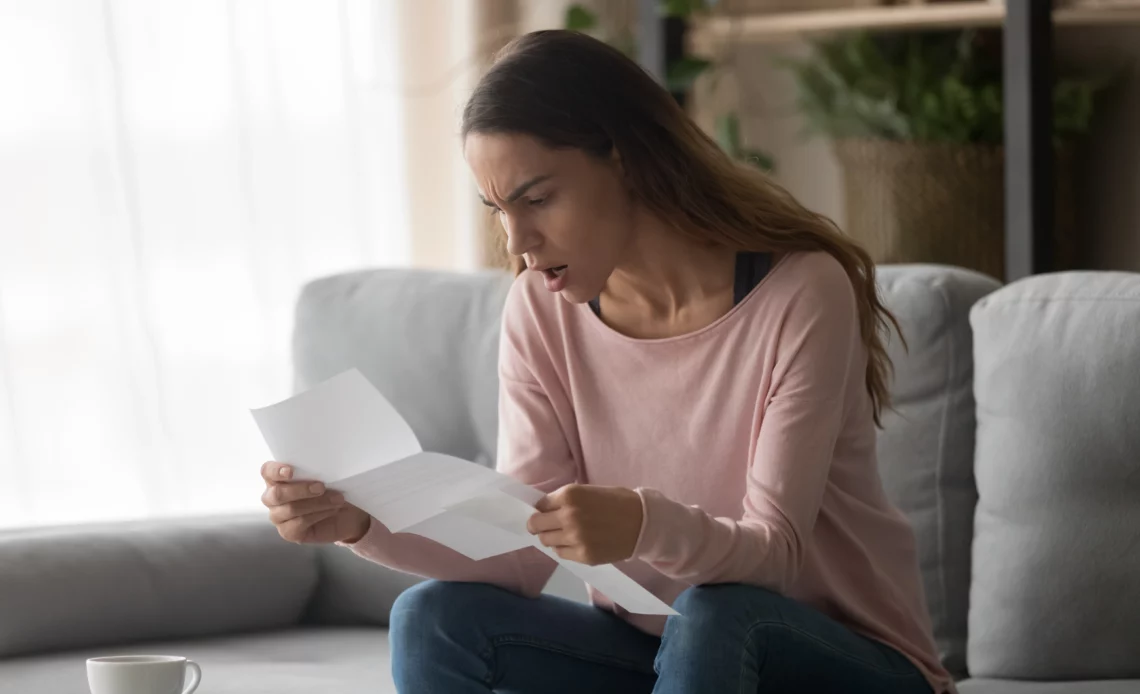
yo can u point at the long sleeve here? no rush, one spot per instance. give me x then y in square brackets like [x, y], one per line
[819, 355]
[532, 449]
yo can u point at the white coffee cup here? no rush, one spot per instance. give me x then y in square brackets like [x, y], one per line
[142, 674]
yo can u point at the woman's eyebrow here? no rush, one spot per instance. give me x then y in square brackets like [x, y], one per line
[518, 192]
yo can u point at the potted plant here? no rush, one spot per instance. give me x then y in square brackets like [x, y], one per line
[917, 122]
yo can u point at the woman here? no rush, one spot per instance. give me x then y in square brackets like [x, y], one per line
[692, 368]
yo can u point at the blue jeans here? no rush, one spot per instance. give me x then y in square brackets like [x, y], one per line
[463, 638]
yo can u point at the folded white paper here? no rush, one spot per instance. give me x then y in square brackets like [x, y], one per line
[467, 536]
[497, 510]
[344, 433]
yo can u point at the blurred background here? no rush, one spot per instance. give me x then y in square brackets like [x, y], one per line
[173, 172]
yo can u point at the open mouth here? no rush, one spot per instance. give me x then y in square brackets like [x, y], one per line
[555, 278]
[554, 272]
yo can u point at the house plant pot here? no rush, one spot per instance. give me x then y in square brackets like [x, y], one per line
[937, 202]
[916, 123]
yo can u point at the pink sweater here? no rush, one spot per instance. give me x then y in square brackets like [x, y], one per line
[750, 442]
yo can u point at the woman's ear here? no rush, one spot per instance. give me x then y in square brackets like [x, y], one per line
[615, 159]
[619, 168]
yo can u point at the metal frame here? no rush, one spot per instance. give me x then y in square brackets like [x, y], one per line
[651, 39]
[660, 41]
[1028, 113]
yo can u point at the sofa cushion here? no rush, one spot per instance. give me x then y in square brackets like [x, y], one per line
[353, 591]
[301, 661]
[427, 340]
[926, 448]
[1057, 531]
[84, 586]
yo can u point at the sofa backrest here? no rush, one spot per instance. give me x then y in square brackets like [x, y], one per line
[926, 446]
[1056, 556]
[428, 341]
[353, 592]
[85, 586]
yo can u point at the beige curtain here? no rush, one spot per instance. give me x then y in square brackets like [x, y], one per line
[444, 47]
[173, 173]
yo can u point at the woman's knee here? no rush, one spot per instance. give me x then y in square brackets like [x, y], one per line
[712, 636]
[720, 611]
[433, 607]
[437, 635]
[727, 598]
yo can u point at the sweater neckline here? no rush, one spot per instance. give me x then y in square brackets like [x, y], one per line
[588, 315]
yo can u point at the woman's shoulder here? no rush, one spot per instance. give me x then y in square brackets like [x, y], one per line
[531, 313]
[528, 301]
[531, 336]
[813, 267]
[810, 275]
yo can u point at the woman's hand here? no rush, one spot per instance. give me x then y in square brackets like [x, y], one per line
[306, 512]
[588, 523]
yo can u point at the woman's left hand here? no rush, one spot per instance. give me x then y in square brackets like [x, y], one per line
[589, 524]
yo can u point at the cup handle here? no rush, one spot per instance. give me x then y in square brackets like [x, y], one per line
[195, 677]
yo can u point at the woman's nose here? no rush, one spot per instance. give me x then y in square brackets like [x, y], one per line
[521, 238]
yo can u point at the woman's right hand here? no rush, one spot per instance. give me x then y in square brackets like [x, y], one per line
[306, 512]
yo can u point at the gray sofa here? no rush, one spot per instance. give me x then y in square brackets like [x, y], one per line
[1026, 502]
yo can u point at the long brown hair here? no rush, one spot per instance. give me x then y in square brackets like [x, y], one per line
[572, 91]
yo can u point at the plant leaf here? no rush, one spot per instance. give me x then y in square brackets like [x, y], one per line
[627, 44]
[681, 8]
[681, 73]
[935, 86]
[579, 18]
[728, 133]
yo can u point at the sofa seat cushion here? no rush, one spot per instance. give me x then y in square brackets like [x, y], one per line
[305, 661]
[1016, 687]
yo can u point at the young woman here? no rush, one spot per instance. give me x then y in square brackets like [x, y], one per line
[692, 368]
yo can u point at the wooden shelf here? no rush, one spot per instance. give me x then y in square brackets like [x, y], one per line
[948, 15]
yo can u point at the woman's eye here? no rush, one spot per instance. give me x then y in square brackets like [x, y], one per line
[535, 202]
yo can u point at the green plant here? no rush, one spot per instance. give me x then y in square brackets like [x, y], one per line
[583, 19]
[728, 137]
[680, 74]
[940, 87]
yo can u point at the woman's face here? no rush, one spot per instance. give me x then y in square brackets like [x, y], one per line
[566, 213]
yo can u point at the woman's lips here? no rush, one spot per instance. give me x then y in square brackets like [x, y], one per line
[555, 278]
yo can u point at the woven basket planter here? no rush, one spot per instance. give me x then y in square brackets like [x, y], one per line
[913, 202]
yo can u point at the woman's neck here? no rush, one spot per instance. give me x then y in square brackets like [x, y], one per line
[664, 273]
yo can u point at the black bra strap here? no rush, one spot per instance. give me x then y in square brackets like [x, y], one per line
[751, 269]
[596, 306]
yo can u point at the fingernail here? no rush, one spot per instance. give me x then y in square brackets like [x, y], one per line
[316, 488]
[337, 498]
[285, 471]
